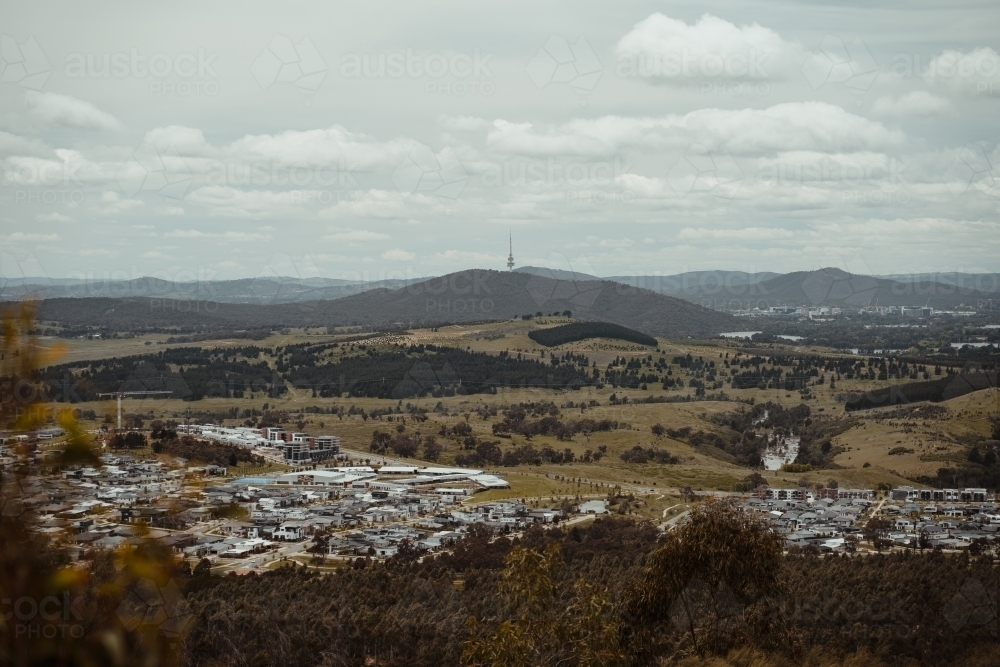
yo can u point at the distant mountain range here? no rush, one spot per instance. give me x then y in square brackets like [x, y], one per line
[834, 287]
[457, 297]
[263, 290]
[728, 290]
[980, 282]
[732, 290]
[673, 284]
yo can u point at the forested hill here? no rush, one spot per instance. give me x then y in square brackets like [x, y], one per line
[834, 287]
[458, 297]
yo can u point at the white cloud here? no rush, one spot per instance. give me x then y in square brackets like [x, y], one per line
[67, 111]
[660, 48]
[97, 252]
[332, 146]
[397, 255]
[782, 127]
[230, 236]
[185, 141]
[113, 203]
[745, 234]
[155, 254]
[796, 144]
[12, 144]
[465, 258]
[64, 168]
[21, 237]
[53, 217]
[229, 264]
[463, 123]
[916, 103]
[383, 204]
[359, 235]
[234, 202]
[974, 73]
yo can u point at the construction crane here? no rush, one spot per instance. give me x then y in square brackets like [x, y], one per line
[119, 394]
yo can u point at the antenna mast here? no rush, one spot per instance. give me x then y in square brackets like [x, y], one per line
[510, 257]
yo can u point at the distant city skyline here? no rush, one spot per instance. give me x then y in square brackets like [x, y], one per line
[610, 140]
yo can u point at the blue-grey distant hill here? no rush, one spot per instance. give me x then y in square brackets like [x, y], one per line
[264, 290]
[720, 290]
[465, 296]
[733, 290]
[665, 284]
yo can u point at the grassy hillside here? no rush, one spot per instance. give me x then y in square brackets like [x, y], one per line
[708, 436]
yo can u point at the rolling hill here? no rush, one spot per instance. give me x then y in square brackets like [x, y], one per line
[464, 296]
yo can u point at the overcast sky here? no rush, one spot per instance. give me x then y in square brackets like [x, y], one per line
[367, 140]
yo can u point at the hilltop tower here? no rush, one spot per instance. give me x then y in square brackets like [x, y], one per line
[510, 257]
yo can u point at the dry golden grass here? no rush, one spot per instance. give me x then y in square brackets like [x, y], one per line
[934, 441]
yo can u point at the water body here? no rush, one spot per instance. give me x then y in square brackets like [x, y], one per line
[739, 334]
[781, 452]
[791, 338]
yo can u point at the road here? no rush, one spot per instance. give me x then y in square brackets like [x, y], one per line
[288, 549]
[669, 524]
[664, 515]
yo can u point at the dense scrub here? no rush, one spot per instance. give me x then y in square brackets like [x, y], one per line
[431, 370]
[640, 455]
[190, 373]
[576, 331]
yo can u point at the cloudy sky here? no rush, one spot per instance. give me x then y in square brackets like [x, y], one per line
[369, 140]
